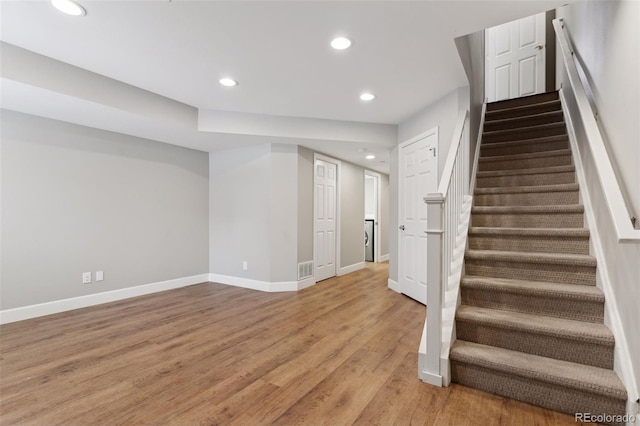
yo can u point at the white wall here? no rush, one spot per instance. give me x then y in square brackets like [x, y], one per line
[76, 199]
[605, 36]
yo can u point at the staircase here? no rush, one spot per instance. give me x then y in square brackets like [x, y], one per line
[530, 326]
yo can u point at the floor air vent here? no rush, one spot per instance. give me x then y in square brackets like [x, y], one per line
[305, 270]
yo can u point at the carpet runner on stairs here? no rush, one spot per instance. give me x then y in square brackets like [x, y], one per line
[530, 326]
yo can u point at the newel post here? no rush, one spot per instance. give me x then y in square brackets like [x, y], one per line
[435, 208]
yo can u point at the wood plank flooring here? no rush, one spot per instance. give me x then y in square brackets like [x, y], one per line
[341, 352]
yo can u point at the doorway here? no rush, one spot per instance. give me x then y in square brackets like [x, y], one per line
[326, 174]
[418, 177]
[515, 59]
[372, 199]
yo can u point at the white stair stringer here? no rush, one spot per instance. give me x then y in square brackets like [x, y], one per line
[451, 296]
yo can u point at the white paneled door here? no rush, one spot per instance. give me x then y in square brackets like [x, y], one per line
[325, 200]
[515, 65]
[418, 177]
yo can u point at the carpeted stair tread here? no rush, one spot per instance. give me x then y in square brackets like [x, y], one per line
[526, 100]
[585, 378]
[524, 110]
[534, 171]
[525, 156]
[524, 130]
[527, 323]
[564, 187]
[532, 257]
[497, 146]
[529, 239]
[543, 232]
[568, 208]
[524, 120]
[535, 288]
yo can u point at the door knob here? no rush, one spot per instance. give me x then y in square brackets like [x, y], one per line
[539, 47]
[401, 227]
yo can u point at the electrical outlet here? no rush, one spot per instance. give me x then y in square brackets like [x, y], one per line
[86, 277]
[99, 275]
[245, 265]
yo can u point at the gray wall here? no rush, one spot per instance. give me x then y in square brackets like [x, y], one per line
[606, 38]
[305, 204]
[254, 212]
[283, 213]
[351, 214]
[239, 194]
[384, 215]
[443, 114]
[76, 199]
[471, 49]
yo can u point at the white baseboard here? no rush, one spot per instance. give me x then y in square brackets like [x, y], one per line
[261, 285]
[384, 257]
[393, 285]
[57, 306]
[351, 268]
[307, 282]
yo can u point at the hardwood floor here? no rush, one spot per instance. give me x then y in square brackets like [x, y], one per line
[341, 352]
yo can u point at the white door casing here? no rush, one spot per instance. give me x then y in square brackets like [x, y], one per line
[325, 224]
[418, 177]
[515, 59]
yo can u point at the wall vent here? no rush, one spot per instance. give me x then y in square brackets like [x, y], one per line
[305, 270]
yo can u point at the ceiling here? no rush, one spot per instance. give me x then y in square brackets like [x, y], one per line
[279, 52]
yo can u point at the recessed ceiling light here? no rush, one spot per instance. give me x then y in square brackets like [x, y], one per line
[229, 82]
[69, 7]
[341, 43]
[367, 97]
[370, 157]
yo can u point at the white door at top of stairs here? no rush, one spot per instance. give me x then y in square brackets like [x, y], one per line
[515, 59]
[418, 176]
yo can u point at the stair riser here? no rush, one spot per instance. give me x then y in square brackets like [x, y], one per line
[516, 135]
[528, 220]
[568, 274]
[534, 120]
[530, 110]
[539, 244]
[533, 391]
[579, 310]
[525, 163]
[528, 199]
[524, 148]
[525, 180]
[518, 102]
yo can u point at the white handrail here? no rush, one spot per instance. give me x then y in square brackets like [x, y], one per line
[615, 200]
[448, 165]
